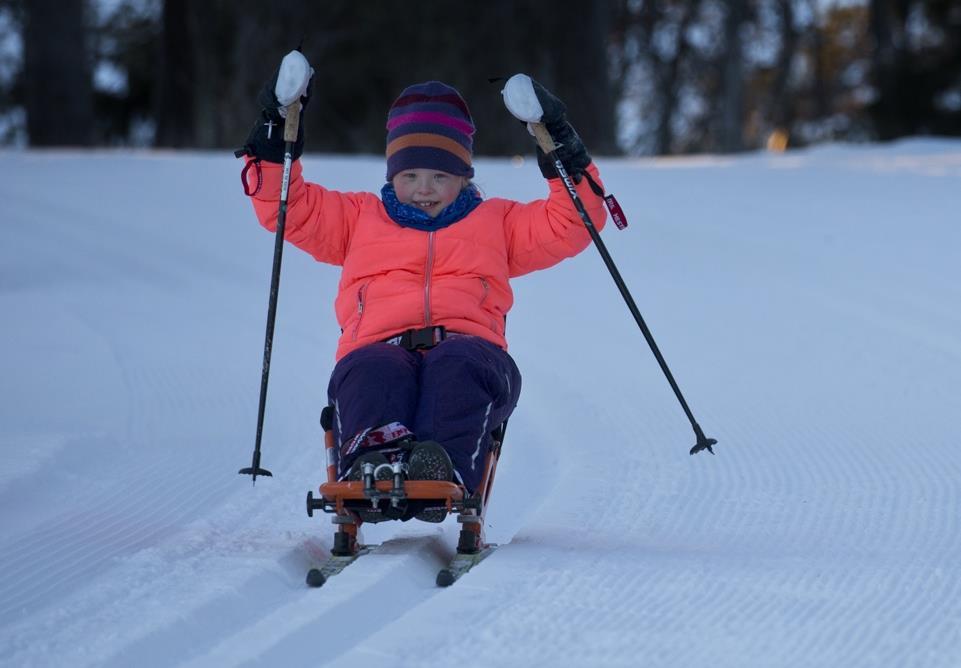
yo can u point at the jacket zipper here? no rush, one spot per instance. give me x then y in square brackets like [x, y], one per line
[361, 298]
[427, 276]
[491, 322]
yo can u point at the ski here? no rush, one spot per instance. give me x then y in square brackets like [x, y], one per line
[461, 564]
[316, 577]
[455, 569]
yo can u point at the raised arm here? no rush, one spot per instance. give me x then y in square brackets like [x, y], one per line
[542, 233]
[318, 220]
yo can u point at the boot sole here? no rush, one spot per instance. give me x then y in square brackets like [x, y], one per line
[429, 461]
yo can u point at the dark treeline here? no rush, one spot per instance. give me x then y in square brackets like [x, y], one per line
[639, 76]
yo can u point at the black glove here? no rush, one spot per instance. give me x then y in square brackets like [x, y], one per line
[570, 149]
[266, 138]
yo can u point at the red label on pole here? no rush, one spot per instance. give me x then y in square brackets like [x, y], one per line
[617, 213]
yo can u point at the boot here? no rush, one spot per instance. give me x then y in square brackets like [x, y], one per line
[429, 461]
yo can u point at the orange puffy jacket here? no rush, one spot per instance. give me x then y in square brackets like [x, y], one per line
[397, 278]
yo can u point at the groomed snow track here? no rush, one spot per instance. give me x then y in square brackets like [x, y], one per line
[807, 304]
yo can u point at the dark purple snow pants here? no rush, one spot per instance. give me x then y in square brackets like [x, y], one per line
[455, 393]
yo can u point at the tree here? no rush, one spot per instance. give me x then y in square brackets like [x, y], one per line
[191, 72]
[730, 100]
[174, 106]
[58, 90]
[917, 48]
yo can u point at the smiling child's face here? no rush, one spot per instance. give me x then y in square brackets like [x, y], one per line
[427, 189]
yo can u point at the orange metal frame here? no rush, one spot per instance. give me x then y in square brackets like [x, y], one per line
[336, 496]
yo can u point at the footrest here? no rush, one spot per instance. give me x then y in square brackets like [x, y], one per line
[353, 490]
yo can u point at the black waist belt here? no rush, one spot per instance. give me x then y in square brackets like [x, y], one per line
[420, 339]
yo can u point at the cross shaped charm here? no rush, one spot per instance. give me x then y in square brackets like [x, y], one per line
[270, 127]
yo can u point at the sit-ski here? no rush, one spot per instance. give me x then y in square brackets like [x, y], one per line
[348, 500]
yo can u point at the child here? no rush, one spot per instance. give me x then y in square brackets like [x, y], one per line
[422, 368]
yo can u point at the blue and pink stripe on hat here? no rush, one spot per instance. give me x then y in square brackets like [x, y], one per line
[430, 127]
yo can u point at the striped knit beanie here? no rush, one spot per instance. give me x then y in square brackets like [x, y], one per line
[430, 127]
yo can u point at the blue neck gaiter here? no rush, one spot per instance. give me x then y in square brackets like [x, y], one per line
[410, 216]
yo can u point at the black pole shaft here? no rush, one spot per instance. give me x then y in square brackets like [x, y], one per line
[255, 468]
[271, 317]
[702, 441]
[291, 129]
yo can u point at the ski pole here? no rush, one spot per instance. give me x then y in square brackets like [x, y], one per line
[546, 142]
[291, 126]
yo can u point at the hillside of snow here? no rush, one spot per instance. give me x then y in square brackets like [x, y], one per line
[809, 305]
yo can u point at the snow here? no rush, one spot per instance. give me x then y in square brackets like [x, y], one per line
[807, 304]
